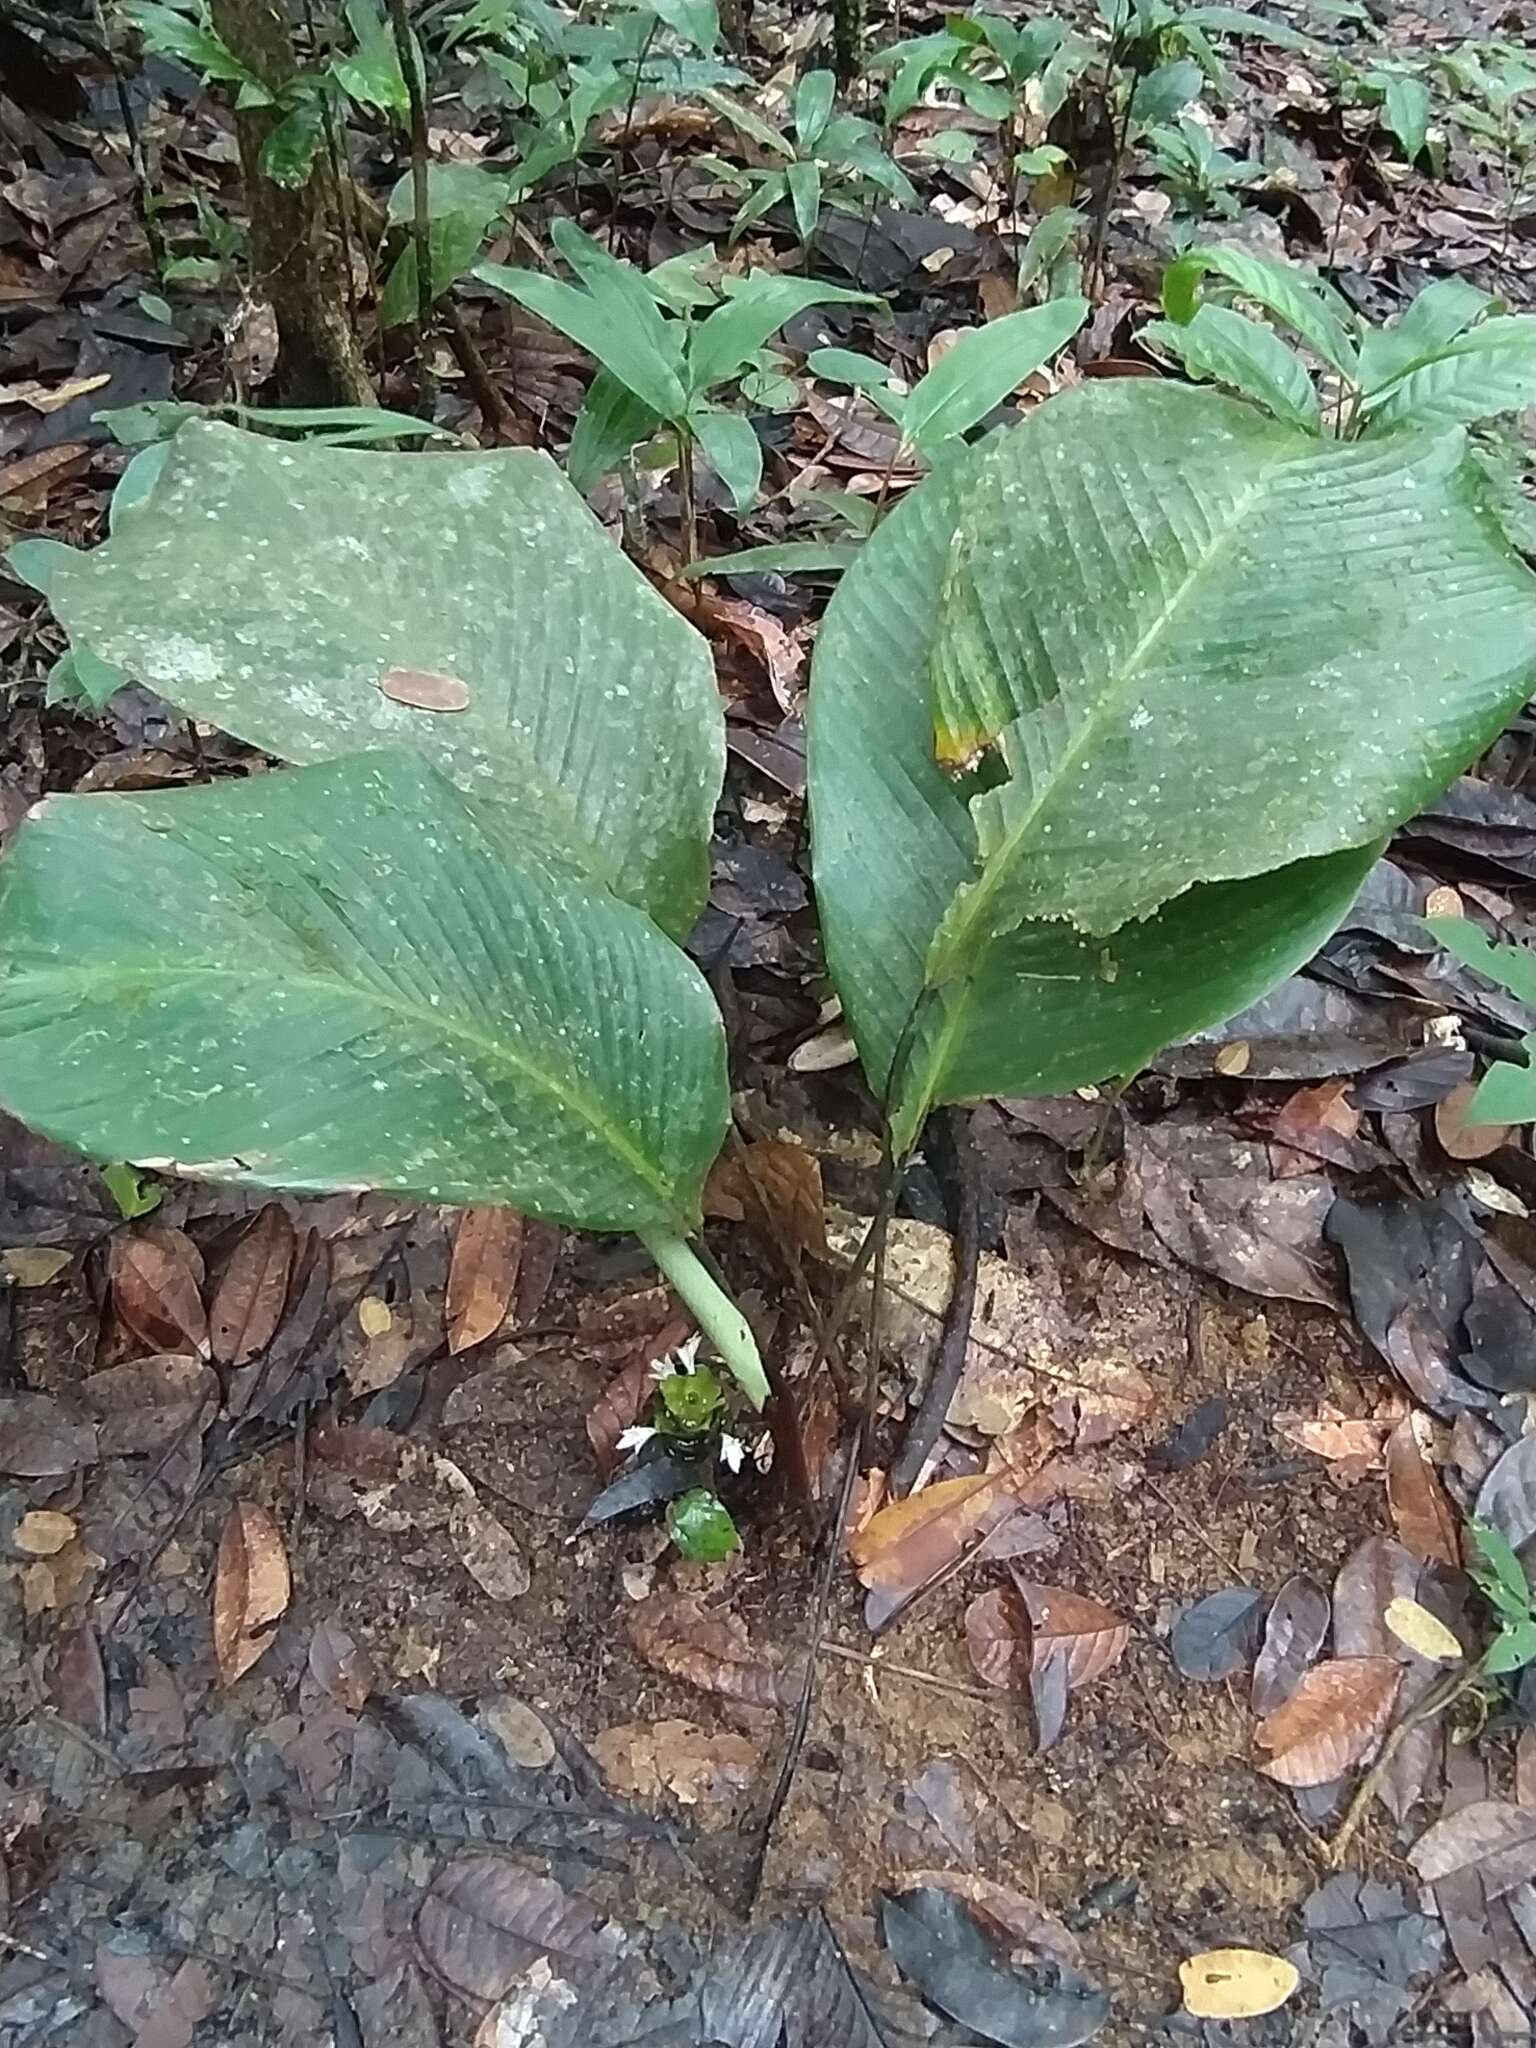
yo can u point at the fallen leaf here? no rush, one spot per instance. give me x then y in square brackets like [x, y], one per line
[77, 1678]
[999, 1637]
[163, 2010]
[251, 1588]
[1459, 1138]
[521, 1732]
[1031, 1931]
[1294, 1633]
[1423, 1633]
[1213, 1638]
[340, 1668]
[1375, 1572]
[646, 1759]
[1236, 1983]
[617, 1408]
[1353, 1442]
[486, 1921]
[906, 1545]
[157, 1279]
[1488, 1838]
[487, 1550]
[375, 1317]
[936, 1943]
[1507, 1497]
[40, 1439]
[425, 689]
[1421, 1509]
[1335, 1717]
[1109, 1397]
[482, 1274]
[248, 1302]
[1085, 1635]
[33, 1265]
[149, 1403]
[43, 1533]
[707, 1649]
[59, 1581]
[776, 1188]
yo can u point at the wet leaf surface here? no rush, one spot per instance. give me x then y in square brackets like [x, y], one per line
[939, 1946]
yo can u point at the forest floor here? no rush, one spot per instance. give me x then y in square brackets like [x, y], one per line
[323, 1718]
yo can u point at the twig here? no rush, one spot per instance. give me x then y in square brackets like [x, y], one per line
[494, 409]
[421, 223]
[882, 1668]
[958, 1172]
[629, 122]
[1440, 1695]
[1121, 142]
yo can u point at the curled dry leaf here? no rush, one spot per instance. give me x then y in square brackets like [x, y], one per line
[1236, 1983]
[482, 1275]
[251, 1588]
[617, 1408]
[248, 1302]
[710, 1650]
[1488, 1838]
[486, 1921]
[1332, 1721]
[906, 1545]
[147, 1404]
[1350, 1444]
[1459, 1138]
[775, 1188]
[1294, 1633]
[487, 1550]
[425, 689]
[157, 1281]
[1421, 1509]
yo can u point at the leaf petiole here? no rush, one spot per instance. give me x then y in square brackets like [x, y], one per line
[716, 1314]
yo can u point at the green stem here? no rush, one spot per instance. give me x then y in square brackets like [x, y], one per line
[713, 1310]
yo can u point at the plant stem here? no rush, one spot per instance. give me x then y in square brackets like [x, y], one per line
[713, 1310]
[413, 67]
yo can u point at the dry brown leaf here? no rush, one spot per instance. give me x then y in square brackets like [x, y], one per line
[521, 1732]
[1487, 1837]
[44, 1533]
[157, 1280]
[1070, 1626]
[33, 1265]
[776, 1188]
[1460, 1139]
[248, 1302]
[1000, 1638]
[1028, 1928]
[150, 1403]
[425, 689]
[647, 1759]
[59, 1581]
[707, 1649]
[251, 1588]
[1421, 1509]
[486, 1922]
[1352, 1442]
[1109, 1397]
[1333, 1720]
[617, 1408]
[41, 1439]
[340, 1668]
[1236, 1983]
[908, 1544]
[487, 1550]
[482, 1274]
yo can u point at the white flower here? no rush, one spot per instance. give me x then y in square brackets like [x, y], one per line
[733, 1453]
[632, 1438]
[684, 1359]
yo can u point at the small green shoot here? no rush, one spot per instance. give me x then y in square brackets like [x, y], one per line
[1501, 1578]
[700, 1524]
[135, 1192]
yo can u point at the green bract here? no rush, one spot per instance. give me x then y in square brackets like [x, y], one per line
[1110, 718]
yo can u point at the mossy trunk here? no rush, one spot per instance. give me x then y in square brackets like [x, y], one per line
[295, 262]
[847, 39]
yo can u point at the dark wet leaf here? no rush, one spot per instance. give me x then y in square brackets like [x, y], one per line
[1421, 1356]
[146, 1405]
[1212, 1202]
[1413, 1083]
[157, 1281]
[1500, 1351]
[41, 1439]
[1490, 1837]
[1421, 1510]
[642, 1486]
[248, 1302]
[1304, 1030]
[1401, 1255]
[486, 1921]
[787, 1985]
[1294, 1633]
[936, 1943]
[1049, 1691]
[1192, 1439]
[1368, 1950]
[1333, 1720]
[1215, 1637]
[472, 1761]
[1507, 1497]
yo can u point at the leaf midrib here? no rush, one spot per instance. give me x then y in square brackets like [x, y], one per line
[82, 980]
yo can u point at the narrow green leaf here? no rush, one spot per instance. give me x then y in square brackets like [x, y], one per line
[1046, 242]
[372, 74]
[1484, 373]
[788, 557]
[813, 106]
[614, 341]
[735, 332]
[804, 183]
[619, 290]
[611, 422]
[1249, 358]
[983, 366]
[1237, 21]
[300, 950]
[1301, 301]
[731, 448]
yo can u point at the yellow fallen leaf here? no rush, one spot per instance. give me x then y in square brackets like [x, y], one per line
[33, 1265]
[44, 1533]
[375, 1317]
[1236, 1983]
[1424, 1633]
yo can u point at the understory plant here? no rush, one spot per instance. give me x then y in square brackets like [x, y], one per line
[822, 157]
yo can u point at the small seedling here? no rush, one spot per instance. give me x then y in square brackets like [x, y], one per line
[1501, 1578]
[823, 158]
[1201, 179]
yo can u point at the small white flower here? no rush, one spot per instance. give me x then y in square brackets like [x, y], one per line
[733, 1453]
[684, 1359]
[632, 1438]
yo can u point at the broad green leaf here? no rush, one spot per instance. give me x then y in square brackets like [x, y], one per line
[696, 21]
[983, 367]
[79, 678]
[372, 74]
[803, 181]
[453, 243]
[1165, 91]
[1440, 314]
[813, 106]
[729, 444]
[354, 976]
[169, 33]
[735, 332]
[1498, 1571]
[136, 1194]
[1070, 61]
[1506, 1093]
[607, 324]
[1248, 357]
[268, 587]
[611, 422]
[1489, 371]
[1511, 1650]
[700, 1524]
[1303, 302]
[451, 188]
[1405, 111]
[1047, 240]
[289, 152]
[1145, 592]
[1237, 21]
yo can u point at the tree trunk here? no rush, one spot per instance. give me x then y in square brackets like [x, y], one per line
[293, 254]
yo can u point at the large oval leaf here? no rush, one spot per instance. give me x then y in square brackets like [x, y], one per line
[271, 587]
[353, 975]
[1211, 723]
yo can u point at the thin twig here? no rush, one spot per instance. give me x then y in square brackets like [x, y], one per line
[1121, 142]
[494, 409]
[629, 122]
[421, 209]
[881, 1667]
[957, 1161]
[1440, 1696]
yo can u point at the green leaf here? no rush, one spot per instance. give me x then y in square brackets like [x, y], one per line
[1498, 1571]
[696, 21]
[787, 557]
[451, 188]
[735, 332]
[1301, 301]
[1489, 371]
[168, 33]
[1405, 109]
[372, 74]
[1512, 1648]
[751, 124]
[1163, 92]
[1046, 242]
[1137, 594]
[341, 426]
[1440, 314]
[354, 976]
[981, 369]
[1249, 358]
[1237, 21]
[79, 678]
[701, 1527]
[136, 1194]
[730, 446]
[611, 422]
[289, 152]
[35, 561]
[803, 181]
[271, 585]
[1507, 1092]
[813, 106]
[453, 243]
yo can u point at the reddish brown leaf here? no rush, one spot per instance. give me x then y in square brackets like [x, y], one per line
[157, 1281]
[1460, 1139]
[1489, 1837]
[482, 1276]
[1334, 1719]
[40, 1439]
[696, 1766]
[1294, 1633]
[905, 1546]
[425, 689]
[1082, 1633]
[252, 1292]
[1421, 1509]
[710, 1650]
[77, 1678]
[149, 1403]
[1000, 1638]
[541, 1255]
[617, 1408]
[340, 1668]
[775, 1188]
[486, 1921]
[251, 1587]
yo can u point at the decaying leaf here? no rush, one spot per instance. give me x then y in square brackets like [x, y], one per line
[425, 689]
[340, 1668]
[40, 1439]
[44, 1533]
[649, 1759]
[486, 1921]
[1213, 1638]
[522, 1733]
[1488, 1837]
[482, 1274]
[776, 1189]
[1236, 1983]
[709, 1649]
[1421, 1509]
[1350, 1444]
[147, 1404]
[1459, 1138]
[1294, 1633]
[1030, 1930]
[1333, 1720]
[1082, 1633]
[251, 1588]
[1423, 1633]
[1507, 1497]
[999, 1637]
[32, 1265]
[248, 1302]
[487, 1550]
[1375, 1572]
[157, 1279]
